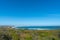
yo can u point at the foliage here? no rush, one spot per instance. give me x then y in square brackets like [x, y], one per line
[8, 33]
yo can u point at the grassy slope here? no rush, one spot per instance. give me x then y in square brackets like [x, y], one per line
[30, 34]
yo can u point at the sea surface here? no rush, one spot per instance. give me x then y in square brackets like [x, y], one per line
[39, 27]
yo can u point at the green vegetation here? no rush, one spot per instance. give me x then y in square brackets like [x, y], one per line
[9, 33]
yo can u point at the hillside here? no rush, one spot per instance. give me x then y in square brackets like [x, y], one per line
[9, 33]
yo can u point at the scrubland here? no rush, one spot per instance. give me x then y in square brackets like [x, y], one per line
[8, 33]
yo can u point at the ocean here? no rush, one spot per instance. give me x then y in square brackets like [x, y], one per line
[39, 27]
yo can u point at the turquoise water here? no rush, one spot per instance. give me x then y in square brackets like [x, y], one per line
[40, 27]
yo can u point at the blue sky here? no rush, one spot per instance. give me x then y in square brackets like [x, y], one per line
[30, 12]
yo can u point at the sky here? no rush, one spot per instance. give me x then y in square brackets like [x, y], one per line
[30, 12]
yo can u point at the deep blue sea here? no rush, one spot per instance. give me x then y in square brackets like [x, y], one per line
[39, 27]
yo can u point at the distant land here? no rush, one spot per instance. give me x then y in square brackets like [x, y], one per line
[34, 27]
